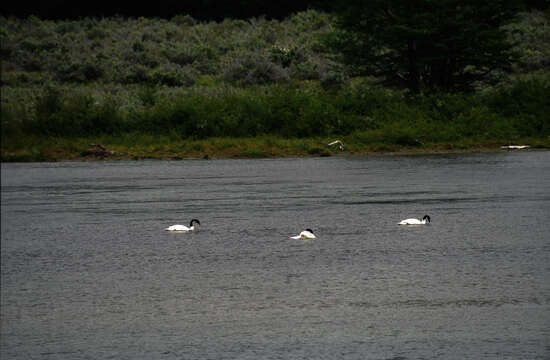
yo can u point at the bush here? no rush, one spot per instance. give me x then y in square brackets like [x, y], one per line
[73, 115]
[258, 51]
[526, 102]
[97, 33]
[80, 72]
[184, 20]
[137, 74]
[284, 56]
[374, 115]
[184, 79]
[531, 38]
[253, 70]
[173, 75]
[333, 80]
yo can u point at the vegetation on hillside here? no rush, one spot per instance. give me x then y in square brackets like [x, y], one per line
[179, 52]
[425, 45]
[181, 80]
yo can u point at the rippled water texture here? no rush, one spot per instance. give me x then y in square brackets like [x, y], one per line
[89, 273]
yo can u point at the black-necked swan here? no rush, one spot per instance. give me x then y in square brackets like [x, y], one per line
[183, 227]
[425, 219]
[306, 234]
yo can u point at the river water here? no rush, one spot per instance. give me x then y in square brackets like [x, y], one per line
[87, 271]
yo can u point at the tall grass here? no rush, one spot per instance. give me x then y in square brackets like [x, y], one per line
[373, 114]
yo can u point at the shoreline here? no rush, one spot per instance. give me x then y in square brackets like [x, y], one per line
[250, 148]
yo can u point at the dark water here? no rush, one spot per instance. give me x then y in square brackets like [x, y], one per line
[88, 272]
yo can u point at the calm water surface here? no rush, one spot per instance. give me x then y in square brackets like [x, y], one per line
[88, 273]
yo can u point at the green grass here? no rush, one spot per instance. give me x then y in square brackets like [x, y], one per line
[365, 115]
[55, 149]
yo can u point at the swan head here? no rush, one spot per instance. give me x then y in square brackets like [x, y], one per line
[194, 221]
[311, 231]
[426, 217]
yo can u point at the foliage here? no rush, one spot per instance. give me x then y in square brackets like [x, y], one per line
[184, 81]
[425, 45]
[530, 36]
[254, 69]
[519, 110]
[157, 51]
[179, 51]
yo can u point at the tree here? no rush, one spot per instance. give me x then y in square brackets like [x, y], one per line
[424, 44]
[203, 10]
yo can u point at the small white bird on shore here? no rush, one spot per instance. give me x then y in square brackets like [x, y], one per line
[337, 142]
[183, 227]
[424, 220]
[306, 234]
[515, 147]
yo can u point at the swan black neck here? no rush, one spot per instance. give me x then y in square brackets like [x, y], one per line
[426, 217]
[311, 231]
[194, 221]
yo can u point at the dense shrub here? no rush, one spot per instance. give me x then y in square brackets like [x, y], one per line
[375, 115]
[186, 79]
[526, 103]
[254, 69]
[125, 50]
[184, 20]
[91, 49]
[531, 38]
[72, 115]
[173, 75]
[80, 72]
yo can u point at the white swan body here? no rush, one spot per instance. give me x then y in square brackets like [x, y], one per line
[191, 226]
[180, 228]
[306, 234]
[425, 219]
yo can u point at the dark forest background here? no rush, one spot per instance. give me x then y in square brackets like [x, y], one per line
[205, 10]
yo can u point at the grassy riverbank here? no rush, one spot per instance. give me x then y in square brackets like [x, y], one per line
[147, 147]
[272, 120]
[151, 88]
